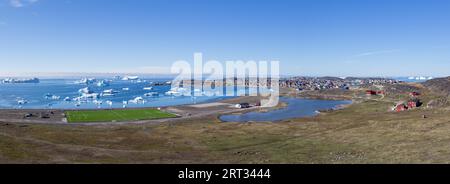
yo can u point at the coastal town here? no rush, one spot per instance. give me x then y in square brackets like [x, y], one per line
[321, 83]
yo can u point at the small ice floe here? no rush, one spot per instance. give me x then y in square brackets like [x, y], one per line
[97, 102]
[85, 90]
[103, 83]
[86, 81]
[176, 91]
[67, 99]
[125, 89]
[21, 101]
[54, 97]
[124, 104]
[148, 88]
[86, 97]
[49, 96]
[79, 99]
[108, 92]
[110, 103]
[172, 93]
[137, 100]
[151, 94]
[92, 95]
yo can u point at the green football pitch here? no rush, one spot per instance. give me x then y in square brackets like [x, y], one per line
[115, 115]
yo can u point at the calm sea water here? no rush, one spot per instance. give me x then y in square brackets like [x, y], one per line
[35, 94]
[296, 108]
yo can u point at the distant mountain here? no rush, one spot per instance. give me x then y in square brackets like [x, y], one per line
[439, 85]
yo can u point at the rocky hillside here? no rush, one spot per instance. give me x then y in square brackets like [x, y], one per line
[439, 86]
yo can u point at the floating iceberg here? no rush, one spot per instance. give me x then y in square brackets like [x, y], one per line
[86, 81]
[108, 92]
[126, 78]
[49, 96]
[85, 90]
[11, 80]
[22, 101]
[151, 94]
[91, 95]
[148, 88]
[177, 91]
[173, 93]
[97, 102]
[137, 100]
[103, 83]
[110, 103]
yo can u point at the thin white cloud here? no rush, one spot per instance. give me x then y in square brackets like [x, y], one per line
[16, 3]
[364, 54]
[142, 70]
[360, 57]
[21, 3]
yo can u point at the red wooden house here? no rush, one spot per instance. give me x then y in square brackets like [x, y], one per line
[414, 94]
[401, 107]
[371, 92]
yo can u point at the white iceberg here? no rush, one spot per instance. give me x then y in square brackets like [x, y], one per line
[85, 90]
[137, 100]
[151, 94]
[86, 81]
[103, 83]
[126, 78]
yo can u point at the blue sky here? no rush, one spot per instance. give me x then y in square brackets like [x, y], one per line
[308, 37]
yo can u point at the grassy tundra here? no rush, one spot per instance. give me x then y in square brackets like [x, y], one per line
[365, 132]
